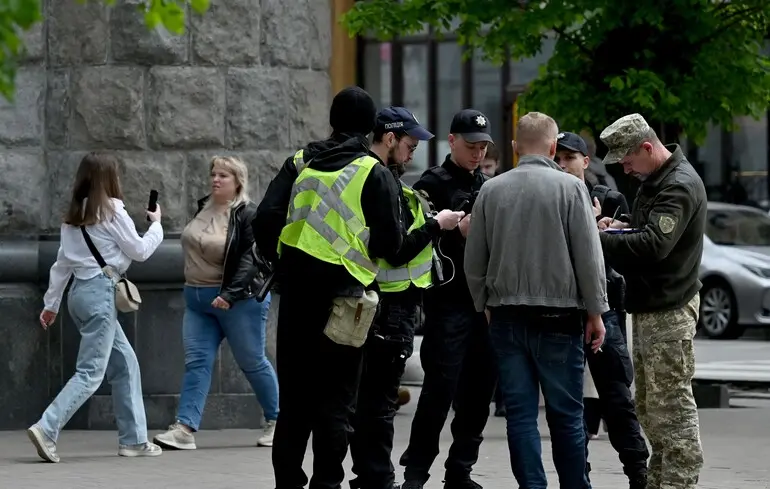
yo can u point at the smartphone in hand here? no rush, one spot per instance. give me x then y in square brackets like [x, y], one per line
[153, 203]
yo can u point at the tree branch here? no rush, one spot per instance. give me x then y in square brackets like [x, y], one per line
[735, 19]
[561, 31]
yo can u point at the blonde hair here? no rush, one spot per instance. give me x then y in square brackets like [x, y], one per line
[237, 168]
[536, 131]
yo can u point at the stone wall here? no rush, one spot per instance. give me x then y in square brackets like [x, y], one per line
[248, 78]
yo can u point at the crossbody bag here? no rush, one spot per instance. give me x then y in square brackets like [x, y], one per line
[127, 298]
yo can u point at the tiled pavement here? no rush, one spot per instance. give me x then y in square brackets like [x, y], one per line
[737, 444]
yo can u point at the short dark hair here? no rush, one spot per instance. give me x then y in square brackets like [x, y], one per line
[493, 153]
[380, 133]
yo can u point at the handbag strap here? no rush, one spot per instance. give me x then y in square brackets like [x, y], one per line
[92, 247]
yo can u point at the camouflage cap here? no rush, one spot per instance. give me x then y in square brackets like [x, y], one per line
[622, 136]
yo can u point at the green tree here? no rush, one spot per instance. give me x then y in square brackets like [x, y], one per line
[17, 16]
[681, 63]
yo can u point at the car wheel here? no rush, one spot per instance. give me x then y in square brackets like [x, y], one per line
[719, 311]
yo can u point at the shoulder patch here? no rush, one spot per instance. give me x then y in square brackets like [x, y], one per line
[666, 223]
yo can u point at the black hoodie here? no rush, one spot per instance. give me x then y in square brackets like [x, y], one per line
[379, 202]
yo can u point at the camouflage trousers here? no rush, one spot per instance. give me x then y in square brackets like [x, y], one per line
[664, 364]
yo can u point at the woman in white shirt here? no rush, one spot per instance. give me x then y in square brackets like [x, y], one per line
[105, 352]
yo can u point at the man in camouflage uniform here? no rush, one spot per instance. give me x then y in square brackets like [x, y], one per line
[660, 257]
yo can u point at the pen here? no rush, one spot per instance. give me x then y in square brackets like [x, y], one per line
[617, 209]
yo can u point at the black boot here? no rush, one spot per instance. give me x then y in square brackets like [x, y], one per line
[461, 484]
[638, 482]
[412, 485]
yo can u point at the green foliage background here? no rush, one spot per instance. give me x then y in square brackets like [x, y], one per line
[682, 63]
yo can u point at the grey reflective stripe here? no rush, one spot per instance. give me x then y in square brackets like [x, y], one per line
[299, 161]
[401, 274]
[330, 200]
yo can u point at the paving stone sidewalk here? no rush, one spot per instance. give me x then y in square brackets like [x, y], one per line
[737, 443]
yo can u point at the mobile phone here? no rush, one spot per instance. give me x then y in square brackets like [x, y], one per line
[462, 205]
[153, 204]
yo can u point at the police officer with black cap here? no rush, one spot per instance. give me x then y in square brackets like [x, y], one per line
[323, 257]
[611, 367]
[456, 354]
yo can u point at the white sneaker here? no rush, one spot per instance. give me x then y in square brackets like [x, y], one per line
[176, 437]
[46, 448]
[141, 450]
[268, 433]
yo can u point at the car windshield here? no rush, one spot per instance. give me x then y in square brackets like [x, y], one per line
[738, 227]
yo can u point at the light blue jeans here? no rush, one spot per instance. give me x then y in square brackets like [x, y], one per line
[203, 329]
[104, 353]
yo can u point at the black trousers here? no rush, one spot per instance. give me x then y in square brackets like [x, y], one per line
[613, 374]
[385, 355]
[459, 366]
[318, 382]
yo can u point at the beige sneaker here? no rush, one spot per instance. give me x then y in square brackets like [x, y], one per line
[268, 433]
[141, 450]
[176, 437]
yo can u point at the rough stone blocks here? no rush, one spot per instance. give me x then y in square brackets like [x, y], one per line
[108, 108]
[186, 107]
[249, 78]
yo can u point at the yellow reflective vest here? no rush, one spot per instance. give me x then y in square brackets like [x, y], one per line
[418, 270]
[325, 218]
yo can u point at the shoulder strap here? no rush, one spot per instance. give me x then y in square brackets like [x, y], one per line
[92, 247]
[424, 200]
[441, 173]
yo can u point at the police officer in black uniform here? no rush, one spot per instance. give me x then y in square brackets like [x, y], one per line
[456, 354]
[611, 368]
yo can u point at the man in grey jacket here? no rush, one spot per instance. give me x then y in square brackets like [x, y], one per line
[534, 261]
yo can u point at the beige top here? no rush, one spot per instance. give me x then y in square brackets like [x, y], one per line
[203, 242]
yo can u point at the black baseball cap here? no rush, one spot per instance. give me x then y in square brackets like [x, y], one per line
[571, 142]
[472, 125]
[400, 120]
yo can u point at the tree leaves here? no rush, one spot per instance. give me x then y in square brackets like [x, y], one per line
[20, 15]
[688, 64]
[15, 16]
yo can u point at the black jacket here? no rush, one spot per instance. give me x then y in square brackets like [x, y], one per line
[379, 202]
[239, 261]
[661, 263]
[613, 203]
[449, 186]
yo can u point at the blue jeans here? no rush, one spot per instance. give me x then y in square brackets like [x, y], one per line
[537, 351]
[104, 353]
[203, 329]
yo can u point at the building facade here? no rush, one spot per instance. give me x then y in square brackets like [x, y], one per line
[248, 78]
[426, 73]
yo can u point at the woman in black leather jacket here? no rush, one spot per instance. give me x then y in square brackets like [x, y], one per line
[220, 303]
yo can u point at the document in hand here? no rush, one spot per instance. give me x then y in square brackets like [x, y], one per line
[623, 231]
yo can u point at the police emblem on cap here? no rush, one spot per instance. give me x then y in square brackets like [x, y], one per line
[560, 135]
[481, 121]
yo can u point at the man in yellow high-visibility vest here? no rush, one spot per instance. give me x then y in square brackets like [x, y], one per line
[403, 276]
[334, 208]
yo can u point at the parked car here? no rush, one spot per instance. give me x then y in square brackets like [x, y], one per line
[735, 271]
